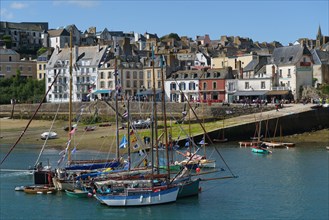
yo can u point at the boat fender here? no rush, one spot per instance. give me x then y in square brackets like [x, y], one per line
[141, 198]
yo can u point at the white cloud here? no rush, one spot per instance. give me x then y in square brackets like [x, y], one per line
[5, 14]
[81, 3]
[17, 5]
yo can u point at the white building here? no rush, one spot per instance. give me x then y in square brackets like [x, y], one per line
[291, 69]
[86, 61]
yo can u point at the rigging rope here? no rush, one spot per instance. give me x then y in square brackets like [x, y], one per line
[44, 144]
[28, 124]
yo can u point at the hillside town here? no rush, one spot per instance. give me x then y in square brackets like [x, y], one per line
[225, 70]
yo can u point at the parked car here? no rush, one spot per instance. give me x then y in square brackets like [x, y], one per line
[142, 123]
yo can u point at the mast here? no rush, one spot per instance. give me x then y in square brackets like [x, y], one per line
[70, 103]
[128, 129]
[155, 113]
[116, 100]
[164, 117]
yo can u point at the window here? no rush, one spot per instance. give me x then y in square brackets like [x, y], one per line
[8, 68]
[214, 85]
[230, 86]
[128, 83]
[246, 85]
[110, 84]
[141, 75]
[10, 59]
[289, 73]
[134, 75]
[102, 75]
[44, 66]
[127, 75]
[109, 75]
[280, 74]
[191, 86]
[49, 80]
[148, 84]
[159, 84]
[21, 68]
[159, 74]
[204, 86]
[262, 84]
[182, 86]
[40, 75]
[149, 74]
[102, 85]
[172, 86]
[29, 69]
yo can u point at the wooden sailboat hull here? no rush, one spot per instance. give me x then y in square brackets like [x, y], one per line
[39, 190]
[190, 188]
[140, 198]
[77, 193]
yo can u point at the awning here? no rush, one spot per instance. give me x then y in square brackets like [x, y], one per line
[250, 93]
[277, 92]
[102, 91]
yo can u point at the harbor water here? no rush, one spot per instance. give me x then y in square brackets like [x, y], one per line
[287, 184]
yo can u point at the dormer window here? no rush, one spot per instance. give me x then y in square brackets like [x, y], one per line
[10, 59]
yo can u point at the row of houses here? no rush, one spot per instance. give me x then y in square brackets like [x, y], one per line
[282, 75]
[231, 69]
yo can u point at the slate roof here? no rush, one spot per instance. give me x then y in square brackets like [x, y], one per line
[25, 26]
[84, 53]
[58, 32]
[7, 52]
[289, 55]
[320, 57]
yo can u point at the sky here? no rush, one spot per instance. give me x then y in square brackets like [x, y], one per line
[260, 20]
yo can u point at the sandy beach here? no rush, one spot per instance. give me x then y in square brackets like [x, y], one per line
[101, 139]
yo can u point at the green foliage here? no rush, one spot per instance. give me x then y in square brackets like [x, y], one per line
[7, 40]
[22, 89]
[325, 89]
[41, 51]
[171, 35]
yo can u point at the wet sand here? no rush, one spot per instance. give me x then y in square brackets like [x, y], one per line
[102, 138]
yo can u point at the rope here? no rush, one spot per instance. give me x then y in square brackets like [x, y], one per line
[28, 124]
[45, 142]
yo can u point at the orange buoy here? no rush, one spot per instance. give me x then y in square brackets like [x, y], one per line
[197, 170]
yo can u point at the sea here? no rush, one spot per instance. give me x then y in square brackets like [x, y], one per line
[287, 184]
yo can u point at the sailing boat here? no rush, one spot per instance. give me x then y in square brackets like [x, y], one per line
[278, 144]
[222, 138]
[152, 191]
[64, 177]
[260, 147]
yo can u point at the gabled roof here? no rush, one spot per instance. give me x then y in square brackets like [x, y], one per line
[58, 32]
[7, 52]
[289, 55]
[92, 53]
[320, 57]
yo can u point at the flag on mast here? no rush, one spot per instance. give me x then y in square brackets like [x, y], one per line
[124, 142]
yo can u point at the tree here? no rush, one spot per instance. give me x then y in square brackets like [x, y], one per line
[22, 89]
[7, 40]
